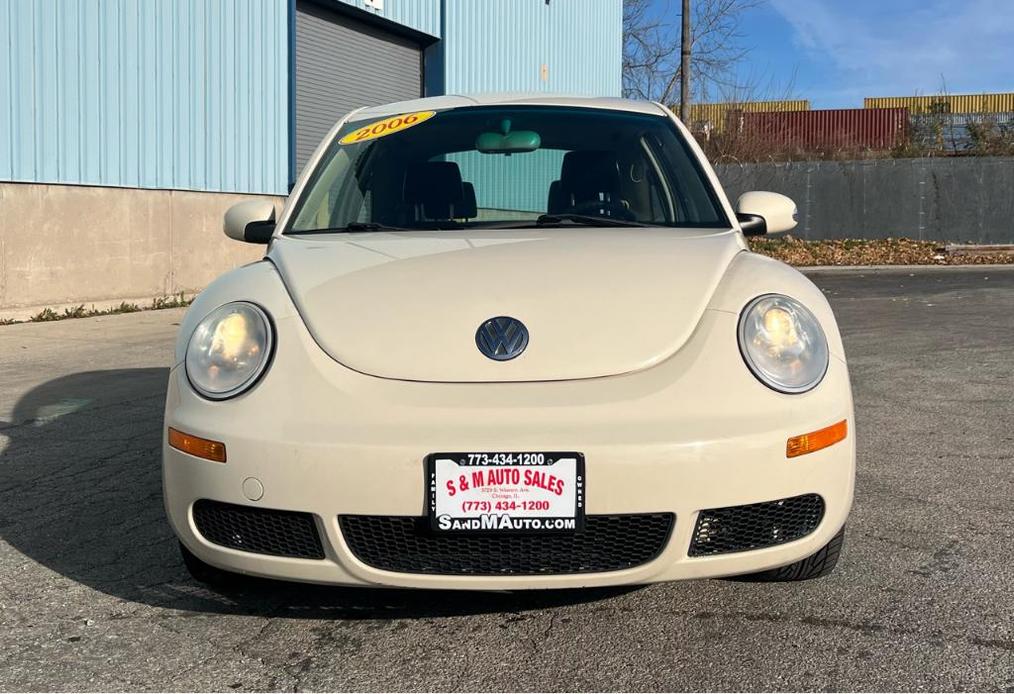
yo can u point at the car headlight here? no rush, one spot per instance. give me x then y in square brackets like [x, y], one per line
[229, 350]
[783, 343]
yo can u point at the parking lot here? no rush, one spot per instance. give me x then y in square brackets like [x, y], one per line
[93, 594]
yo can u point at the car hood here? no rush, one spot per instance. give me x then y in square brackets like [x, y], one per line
[596, 302]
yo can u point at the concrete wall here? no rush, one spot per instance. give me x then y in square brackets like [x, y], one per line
[68, 245]
[959, 199]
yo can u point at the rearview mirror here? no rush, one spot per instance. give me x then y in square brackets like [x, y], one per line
[251, 221]
[517, 141]
[760, 212]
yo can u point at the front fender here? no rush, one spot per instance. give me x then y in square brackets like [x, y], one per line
[749, 275]
[258, 283]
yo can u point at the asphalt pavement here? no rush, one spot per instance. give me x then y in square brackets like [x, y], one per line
[93, 595]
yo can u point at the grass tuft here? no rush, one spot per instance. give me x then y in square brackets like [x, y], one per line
[48, 314]
[174, 301]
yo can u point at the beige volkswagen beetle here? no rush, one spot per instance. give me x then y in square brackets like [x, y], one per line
[508, 343]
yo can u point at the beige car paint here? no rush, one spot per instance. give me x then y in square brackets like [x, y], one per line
[243, 213]
[778, 211]
[563, 284]
[672, 421]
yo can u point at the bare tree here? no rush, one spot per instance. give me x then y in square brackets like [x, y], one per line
[650, 50]
[651, 47]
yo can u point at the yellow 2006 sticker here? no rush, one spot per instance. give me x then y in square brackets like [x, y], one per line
[386, 127]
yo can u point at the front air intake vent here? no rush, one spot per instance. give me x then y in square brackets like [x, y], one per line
[406, 544]
[258, 530]
[754, 526]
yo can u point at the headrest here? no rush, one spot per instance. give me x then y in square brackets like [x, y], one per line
[468, 207]
[557, 200]
[586, 173]
[436, 185]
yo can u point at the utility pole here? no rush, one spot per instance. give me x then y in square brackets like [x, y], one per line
[685, 46]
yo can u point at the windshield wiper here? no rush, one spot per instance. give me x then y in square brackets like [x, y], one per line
[351, 227]
[371, 226]
[585, 220]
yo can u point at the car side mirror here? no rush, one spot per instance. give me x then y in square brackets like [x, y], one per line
[251, 221]
[760, 212]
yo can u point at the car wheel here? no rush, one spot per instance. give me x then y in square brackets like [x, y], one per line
[206, 573]
[818, 564]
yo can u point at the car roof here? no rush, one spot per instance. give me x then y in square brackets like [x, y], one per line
[436, 103]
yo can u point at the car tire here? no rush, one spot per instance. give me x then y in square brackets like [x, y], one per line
[205, 573]
[818, 564]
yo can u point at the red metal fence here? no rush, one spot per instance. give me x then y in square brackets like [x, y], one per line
[833, 129]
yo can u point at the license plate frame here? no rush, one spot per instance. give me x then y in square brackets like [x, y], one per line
[485, 460]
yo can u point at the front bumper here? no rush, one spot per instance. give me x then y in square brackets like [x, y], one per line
[686, 435]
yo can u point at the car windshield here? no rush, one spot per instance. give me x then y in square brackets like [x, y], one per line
[497, 167]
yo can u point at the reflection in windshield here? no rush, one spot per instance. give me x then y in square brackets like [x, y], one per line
[490, 167]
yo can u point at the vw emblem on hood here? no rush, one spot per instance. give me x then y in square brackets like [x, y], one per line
[502, 338]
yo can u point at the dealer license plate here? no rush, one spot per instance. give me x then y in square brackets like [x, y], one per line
[506, 492]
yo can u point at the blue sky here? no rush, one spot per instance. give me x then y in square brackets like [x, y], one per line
[835, 52]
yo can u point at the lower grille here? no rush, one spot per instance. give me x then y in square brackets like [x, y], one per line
[260, 530]
[741, 528]
[406, 544]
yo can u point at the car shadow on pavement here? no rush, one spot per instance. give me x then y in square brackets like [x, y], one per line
[81, 494]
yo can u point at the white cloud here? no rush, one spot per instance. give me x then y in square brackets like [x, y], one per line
[897, 47]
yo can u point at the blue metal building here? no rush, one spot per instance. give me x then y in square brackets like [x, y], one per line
[229, 95]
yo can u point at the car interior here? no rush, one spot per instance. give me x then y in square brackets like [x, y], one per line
[589, 183]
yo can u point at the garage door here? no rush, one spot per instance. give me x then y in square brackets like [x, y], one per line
[342, 64]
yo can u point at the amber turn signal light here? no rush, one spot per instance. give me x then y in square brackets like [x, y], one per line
[816, 440]
[195, 445]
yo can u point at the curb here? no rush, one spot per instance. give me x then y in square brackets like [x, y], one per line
[144, 303]
[851, 269]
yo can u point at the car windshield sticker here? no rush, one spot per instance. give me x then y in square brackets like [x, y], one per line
[386, 126]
